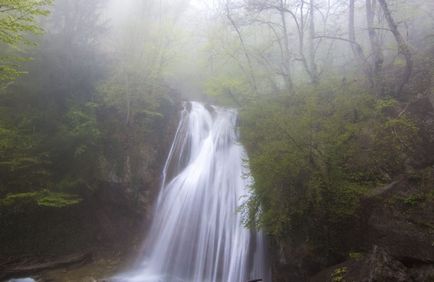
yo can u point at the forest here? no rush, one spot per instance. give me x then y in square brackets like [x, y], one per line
[334, 108]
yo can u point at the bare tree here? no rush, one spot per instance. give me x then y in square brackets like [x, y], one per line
[250, 73]
[402, 45]
[287, 51]
[355, 47]
[376, 49]
[257, 7]
[298, 14]
[313, 67]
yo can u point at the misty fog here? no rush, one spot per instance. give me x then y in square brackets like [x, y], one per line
[217, 140]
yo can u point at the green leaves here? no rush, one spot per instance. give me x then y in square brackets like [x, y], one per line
[43, 198]
[18, 20]
[313, 156]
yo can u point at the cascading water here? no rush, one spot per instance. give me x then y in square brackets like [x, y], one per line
[197, 234]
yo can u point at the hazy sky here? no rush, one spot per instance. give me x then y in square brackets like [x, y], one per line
[120, 8]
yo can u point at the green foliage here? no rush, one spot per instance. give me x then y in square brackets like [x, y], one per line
[315, 154]
[413, 200]
[82, 132]
[78, 120]
[58, 200]
[18, 19]
[12, 199]
[20, 165]
[228, 90]
[42, 198]
[50, 139]
[355, 255]
[338, 274]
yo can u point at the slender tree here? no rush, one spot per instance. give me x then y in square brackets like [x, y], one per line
[313, 67]
[251, 74]
[376, 49]
[287, 52]
[355, 47]
[402, 46]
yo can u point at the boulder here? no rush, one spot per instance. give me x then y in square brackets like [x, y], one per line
[377, 266]
[401, 220]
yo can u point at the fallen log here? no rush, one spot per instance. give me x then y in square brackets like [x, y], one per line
[21, 269]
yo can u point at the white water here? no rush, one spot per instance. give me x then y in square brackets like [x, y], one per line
[197, 233]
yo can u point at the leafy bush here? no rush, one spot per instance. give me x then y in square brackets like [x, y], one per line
[313, 155]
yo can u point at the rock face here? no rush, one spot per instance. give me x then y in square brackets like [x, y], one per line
[431, 96]
[398, 241]
[402, 221]
[378, 265]
[421, 111]
[391, 239]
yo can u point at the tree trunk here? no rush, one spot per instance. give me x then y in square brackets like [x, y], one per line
[243, 46]
[402, 46]
[377, 52]
[313, 66]
[128, 99]
[357, 50]
[287, 52]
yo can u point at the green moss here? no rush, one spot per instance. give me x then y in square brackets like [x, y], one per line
[356, 255]
[338, 274]
[58, 200]
[413, 200]
[12, 199]
[42, 198]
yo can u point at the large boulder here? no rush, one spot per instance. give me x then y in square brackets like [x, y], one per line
[398, 235]
[401, 220]
[377, 266]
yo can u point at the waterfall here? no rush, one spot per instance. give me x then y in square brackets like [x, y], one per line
[197, 233]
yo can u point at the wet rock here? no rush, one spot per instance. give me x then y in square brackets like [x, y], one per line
[398, 220]
[380, 266]
[431, 96]
[421, 112]
[402, 238]
[423, 273]
[401, 220]
[377, 266]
